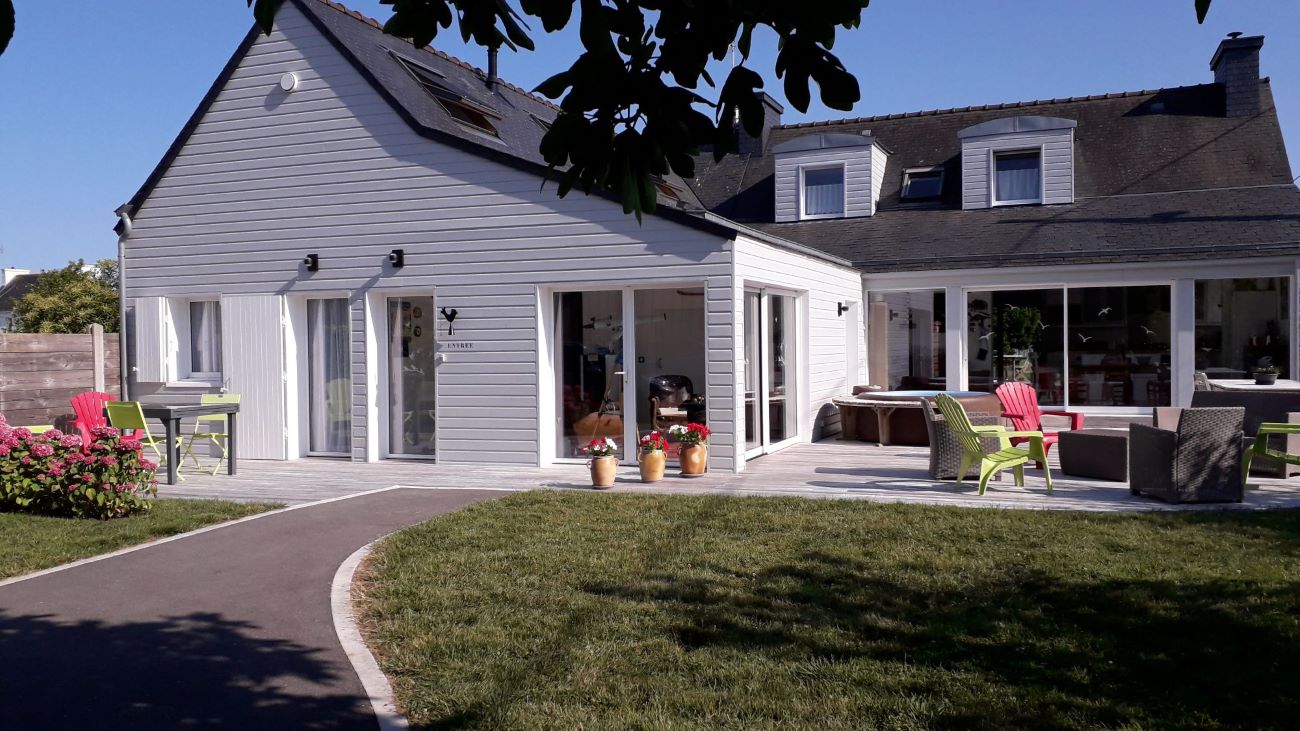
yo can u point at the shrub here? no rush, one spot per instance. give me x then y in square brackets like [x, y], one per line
[53, 473]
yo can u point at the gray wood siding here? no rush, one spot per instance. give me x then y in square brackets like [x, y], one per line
[1058, 165]
[330, 169]
[879, 168]
[826, 374]
[859, 191]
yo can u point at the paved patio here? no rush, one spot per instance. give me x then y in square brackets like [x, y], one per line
[828, 469]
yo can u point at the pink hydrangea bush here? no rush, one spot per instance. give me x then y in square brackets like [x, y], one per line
[53, 473]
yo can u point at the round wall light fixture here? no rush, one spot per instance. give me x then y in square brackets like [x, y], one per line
[289, 81]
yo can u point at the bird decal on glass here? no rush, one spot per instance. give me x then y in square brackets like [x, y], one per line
[1083, 337]
[1103, 312]
[1042, 325]
[1147, 331]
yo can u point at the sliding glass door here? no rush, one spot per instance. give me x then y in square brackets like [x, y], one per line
[329, 377]
[412, 351]
[620, 382]
[771, 372]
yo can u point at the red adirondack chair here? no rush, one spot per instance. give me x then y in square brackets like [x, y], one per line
[89, 408]
[1020, 405]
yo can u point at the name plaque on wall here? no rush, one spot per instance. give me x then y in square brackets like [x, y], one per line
[456, 345]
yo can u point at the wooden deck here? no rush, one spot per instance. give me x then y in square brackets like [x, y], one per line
[830, 469]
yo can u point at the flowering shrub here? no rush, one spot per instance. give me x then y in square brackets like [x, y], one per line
[653, 442]
[691, 435]
[600, 447]
[53, 473]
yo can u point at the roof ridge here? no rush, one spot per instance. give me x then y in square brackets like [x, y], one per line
[441, 54]
[991, 107]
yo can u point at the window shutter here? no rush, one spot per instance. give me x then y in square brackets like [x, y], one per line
[150, 345]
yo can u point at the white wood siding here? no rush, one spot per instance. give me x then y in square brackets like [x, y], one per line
[823, 285]
[331, 169]
[1057, 148]
[859, 192]
[252, 352]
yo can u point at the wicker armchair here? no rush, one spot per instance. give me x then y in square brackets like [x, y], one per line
[1200, 461]
[946, 450]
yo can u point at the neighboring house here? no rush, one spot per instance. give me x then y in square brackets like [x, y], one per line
[355, 236]
[1103, 248]
[14, 283]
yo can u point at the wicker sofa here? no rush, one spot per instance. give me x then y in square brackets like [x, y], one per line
[1198, 461]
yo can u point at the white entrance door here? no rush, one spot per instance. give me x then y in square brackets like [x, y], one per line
[771, 371]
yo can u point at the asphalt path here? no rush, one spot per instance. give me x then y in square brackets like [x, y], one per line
[229, 628]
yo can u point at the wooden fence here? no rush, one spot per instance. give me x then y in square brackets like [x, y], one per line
[39, 374]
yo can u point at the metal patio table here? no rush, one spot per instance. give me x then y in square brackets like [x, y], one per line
[171, 417]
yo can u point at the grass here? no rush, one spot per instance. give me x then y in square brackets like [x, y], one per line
[562, 610]
[31, 543]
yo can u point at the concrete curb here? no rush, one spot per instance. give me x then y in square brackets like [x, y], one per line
[378, 690]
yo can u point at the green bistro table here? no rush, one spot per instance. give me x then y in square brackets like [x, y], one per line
[171, 417]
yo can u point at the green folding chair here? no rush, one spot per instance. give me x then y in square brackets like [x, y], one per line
[1260, 446]
[216, 432]
[1006, 457]
[127, 416]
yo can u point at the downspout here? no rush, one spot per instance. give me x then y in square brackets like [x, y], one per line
[124, 372]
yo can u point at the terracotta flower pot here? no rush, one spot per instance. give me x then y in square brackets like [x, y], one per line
[694, 459]
[652, 465]
[603, 470]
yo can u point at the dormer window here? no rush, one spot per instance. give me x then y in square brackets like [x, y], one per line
[1018, 177]
[822, 191]
[922, 183]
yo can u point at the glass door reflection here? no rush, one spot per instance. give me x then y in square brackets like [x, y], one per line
[589, 355]
[329, 377]
[412, 353]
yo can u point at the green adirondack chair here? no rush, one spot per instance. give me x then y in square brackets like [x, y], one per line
[1006, 457]
[1260, 446]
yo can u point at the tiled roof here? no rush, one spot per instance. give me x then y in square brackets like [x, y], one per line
[16, 289]
[1224, 185]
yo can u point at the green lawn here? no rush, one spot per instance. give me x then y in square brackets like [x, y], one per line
[566, 610]
[30, 543]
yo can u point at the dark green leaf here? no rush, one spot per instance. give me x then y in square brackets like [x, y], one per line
[1202, 8]
[6, 23]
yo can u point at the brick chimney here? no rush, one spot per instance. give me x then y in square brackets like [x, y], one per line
[1236, 66]
[772, 111]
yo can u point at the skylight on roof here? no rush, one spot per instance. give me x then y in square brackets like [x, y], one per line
[922, 183]
[458, 107]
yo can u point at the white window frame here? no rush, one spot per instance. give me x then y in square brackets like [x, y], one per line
[179, 369]
[993, 176]
[907, 182]
[803, 199]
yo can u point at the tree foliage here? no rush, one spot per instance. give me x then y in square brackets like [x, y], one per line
[71, 299]
[633, 100]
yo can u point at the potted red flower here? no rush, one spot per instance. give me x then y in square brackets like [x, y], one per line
[603, 463]
[694, 456]
[652, 456]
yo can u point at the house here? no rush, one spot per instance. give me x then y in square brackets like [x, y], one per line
[357, 236]
[14, 283]
[354, 235]
[1103, 248]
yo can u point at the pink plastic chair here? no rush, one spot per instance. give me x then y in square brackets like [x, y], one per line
[89, 408]
[1020, 405]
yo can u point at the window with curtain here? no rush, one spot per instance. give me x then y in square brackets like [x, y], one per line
[205, 338]
[823, 191]
[1018, 177]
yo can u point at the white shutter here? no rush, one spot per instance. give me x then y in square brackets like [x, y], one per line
[150, 345]
[252, 357]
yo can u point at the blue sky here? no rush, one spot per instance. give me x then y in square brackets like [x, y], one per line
[93, 92]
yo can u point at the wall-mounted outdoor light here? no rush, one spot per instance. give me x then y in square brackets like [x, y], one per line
[397, 257]
[312, 262]
[840, 309]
